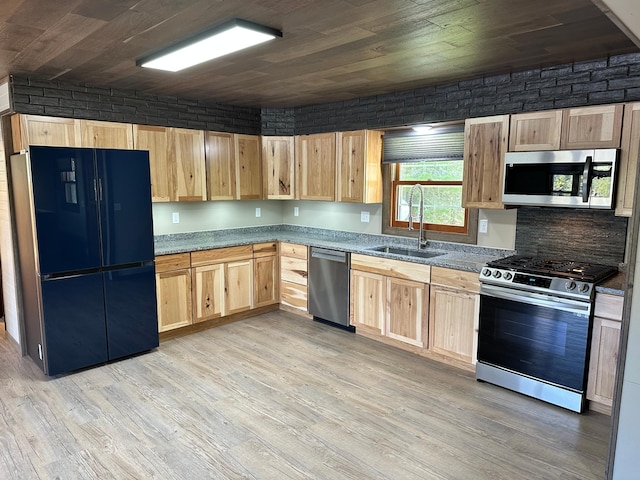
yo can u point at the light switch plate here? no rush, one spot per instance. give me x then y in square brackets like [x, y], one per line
[364, 217]
[483, 226]
[175, 217]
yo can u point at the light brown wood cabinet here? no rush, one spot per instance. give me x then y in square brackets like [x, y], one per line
[592, 127]
[485, 143]
[222, 281]
[186, 149]
[535, 131]
[359, 167]
[293, 277]
[266, 270]
[220, 166]
[173, 285]
[96, 134]
[248, 160]
[605, 342]
[390, 298]
[163, 172]
[454, 312]
[40, 130]
[316, 160]
[629, 152]
[279, 173]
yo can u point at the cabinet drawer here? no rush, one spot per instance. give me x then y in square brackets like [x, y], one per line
[293, 270]
[450, 277]
[608, 306]
[265, 249]
[392, 268]
[293, 295]
[177, 261]
[217, 255]
[293, 250]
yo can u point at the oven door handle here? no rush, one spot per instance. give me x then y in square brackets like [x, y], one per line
[567, 305]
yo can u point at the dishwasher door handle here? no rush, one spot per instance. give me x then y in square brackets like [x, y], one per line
[329, 255]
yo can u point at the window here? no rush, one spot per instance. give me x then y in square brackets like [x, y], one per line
[435, 161]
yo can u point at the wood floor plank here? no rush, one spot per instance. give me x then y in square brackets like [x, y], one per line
[278, 397]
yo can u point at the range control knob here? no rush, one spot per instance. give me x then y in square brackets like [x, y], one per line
[497, 274]
[583, 288]
[570, 285]
[486, 272]
[508, 276]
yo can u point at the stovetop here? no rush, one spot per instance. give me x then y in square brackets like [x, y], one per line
[587, 272]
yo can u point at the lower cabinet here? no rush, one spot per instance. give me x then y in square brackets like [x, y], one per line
[238, 287]
[173, 286]
[266, 274]
[454, 313]
[293, 277]
[390, 298]
[605, 342]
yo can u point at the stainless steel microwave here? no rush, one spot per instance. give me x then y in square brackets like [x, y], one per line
[564, 178]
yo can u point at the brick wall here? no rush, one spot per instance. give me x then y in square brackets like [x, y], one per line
[61, 99]
[278, 121]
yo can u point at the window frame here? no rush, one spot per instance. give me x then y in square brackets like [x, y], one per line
[434, 227]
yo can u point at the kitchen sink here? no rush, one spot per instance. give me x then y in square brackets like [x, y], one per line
[407, 252]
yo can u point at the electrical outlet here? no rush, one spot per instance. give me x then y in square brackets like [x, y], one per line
[296, 212]
[364, 217]
[483, 226]
[258, 212]
[175, 217]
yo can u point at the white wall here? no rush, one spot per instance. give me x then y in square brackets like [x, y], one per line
[334, 216]
[501, 229]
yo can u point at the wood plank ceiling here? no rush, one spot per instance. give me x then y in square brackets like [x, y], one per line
[331, 50]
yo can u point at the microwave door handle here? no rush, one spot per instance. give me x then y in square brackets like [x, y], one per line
[586, 179]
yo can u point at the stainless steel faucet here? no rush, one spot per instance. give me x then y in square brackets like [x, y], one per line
[422, 242]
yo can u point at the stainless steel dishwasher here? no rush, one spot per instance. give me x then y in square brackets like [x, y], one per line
[329, 286]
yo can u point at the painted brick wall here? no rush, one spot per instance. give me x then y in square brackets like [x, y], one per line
[278, 121]
[61, 99]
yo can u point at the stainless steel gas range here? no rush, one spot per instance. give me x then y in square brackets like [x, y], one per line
[535, 326]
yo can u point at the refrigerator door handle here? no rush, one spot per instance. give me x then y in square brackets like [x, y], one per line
[70, 274]
[95, 189]
[100, 189]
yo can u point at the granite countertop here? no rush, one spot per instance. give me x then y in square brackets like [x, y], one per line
[614, 285]
[450, 255]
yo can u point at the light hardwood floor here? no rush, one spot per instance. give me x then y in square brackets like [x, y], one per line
[278, 397]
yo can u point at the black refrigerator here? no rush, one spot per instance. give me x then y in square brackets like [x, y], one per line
[85, 246]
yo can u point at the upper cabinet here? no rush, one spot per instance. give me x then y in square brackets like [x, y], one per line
[316, 158]
[485, 143]
[592, 127]
[186, 149]
[629, 151]
[50, 131]
[163, 172]
[220, 166]
[535, 131]
[570, 129]
[358, 168]
[278, 168]
[248, 167]
[96, 134]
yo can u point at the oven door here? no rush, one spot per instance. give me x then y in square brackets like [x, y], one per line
[537, 335]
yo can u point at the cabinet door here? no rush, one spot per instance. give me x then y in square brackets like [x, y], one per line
[163, 172]
[604, 360]
[220, 166]
[359, 167]
[592, 127]
[485, 143]
[265, 272]
[535, 131]
[406, 311]
[453, 323]
[97, 134]
[316, 158]
[629, 152]
[238, 286]
[46, 131]
[248, 167]
[279, 167]
[186, 149]
[208, 292]
[174, 299]
[367, 302]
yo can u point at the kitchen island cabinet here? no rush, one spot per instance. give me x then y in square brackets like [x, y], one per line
[485, 143]
[605, 342]
[173, 286]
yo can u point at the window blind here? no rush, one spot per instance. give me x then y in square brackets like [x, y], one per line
[403, 147]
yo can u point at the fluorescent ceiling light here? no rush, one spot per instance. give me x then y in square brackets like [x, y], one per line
[224, 39]
[422, 128]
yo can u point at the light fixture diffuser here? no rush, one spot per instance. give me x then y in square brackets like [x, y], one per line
[229, 37]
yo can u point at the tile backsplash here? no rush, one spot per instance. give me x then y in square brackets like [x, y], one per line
[561, 233]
